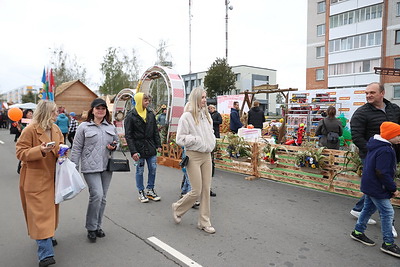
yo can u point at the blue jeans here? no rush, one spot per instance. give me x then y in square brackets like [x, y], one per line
[152, 167]
[386, 214]
[45, 248]
[360, 204]
[186, 187]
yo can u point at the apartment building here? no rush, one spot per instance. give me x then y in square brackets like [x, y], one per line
[246, 78]
[346, 39]
[15, 96]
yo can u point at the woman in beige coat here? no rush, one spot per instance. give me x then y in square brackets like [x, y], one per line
[37, 177]
[195, 133]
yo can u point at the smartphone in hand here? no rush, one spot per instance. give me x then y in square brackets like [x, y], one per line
[50, 144]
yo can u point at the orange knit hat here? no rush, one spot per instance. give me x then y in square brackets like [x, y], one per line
[389, 130]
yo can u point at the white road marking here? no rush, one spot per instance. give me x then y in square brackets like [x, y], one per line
[173, 252]
[1, 142]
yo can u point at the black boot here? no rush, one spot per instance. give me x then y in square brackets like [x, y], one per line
[47, 261]
[212, 193]
[92, 236]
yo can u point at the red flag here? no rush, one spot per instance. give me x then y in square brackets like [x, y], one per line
[51, 85]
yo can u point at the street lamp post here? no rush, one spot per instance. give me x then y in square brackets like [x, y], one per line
[227, 7]
[190, 36]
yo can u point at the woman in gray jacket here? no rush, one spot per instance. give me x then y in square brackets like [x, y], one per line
[327, 125]
[94, 139]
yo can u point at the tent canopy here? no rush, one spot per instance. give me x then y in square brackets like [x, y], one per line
[24, 106]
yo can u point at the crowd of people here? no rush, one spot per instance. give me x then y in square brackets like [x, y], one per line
[375, 129]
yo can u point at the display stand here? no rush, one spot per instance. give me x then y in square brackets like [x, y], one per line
[298, 111]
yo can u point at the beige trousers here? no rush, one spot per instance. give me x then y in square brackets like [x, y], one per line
[199, 173]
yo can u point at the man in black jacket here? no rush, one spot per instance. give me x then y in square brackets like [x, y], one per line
[365, 123]
[256, 116]
[143, 140]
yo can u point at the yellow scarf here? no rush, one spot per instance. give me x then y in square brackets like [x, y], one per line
[139, 106]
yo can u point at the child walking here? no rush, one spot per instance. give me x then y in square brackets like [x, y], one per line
[378, 185]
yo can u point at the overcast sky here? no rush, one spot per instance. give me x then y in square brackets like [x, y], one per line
[262, 33]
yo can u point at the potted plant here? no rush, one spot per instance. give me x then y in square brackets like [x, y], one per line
[353, 159]
[238, 148]
[269, 154]
[310, 159]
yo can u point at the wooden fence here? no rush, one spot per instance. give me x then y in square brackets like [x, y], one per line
[332, 178]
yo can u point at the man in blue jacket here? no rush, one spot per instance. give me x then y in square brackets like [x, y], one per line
[378, 186]
[235, 123]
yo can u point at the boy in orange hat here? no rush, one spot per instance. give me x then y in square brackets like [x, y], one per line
[378, 185]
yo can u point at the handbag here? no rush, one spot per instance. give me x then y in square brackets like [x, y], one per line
[184, 162]
[118, 165]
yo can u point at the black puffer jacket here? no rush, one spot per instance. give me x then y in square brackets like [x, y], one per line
[217, 120]
[256, 117]
[366, 121]
[142, 137]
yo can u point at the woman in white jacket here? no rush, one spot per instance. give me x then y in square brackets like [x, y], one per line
[195, 133]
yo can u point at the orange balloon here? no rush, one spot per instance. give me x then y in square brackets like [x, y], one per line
[15, 114]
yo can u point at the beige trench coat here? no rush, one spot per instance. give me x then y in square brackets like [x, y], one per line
[37, 180]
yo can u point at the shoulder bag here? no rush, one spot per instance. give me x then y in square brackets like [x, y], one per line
[331, 137]
[118, 165]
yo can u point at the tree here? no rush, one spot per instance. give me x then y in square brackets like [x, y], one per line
[119, 70]
[30, 97]
[66, 68]
[219, 79]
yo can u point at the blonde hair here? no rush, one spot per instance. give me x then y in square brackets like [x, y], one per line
[194, 105]
[43, 114]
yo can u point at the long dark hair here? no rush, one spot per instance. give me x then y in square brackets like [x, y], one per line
[107, 117]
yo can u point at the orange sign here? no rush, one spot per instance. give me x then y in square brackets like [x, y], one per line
[344, 98]
[358, 103]
[359, 92]
[344, 109]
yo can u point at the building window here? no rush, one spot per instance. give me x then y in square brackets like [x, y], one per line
[321, 7]
[397, 41]
[397, 63]
[320, 51]
[353, 67]
[354, 42]
[198, 82]
[354, 16]
[396, 91]
[320, 29]
[398, 9]
[237, 77]
[319, 74]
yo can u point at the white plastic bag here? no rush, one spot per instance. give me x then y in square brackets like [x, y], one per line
[68, 181]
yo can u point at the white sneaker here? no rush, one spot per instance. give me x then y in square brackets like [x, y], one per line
[357, 214]
[394, 232]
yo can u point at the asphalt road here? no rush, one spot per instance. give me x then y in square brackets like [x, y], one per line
[258, 223]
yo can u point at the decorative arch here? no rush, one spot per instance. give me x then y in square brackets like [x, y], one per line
[173, 96]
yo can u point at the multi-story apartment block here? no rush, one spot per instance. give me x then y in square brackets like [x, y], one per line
[15, 96]
[246, 78]
[346, 39]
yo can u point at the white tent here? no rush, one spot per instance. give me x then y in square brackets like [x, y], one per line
[24, 106]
